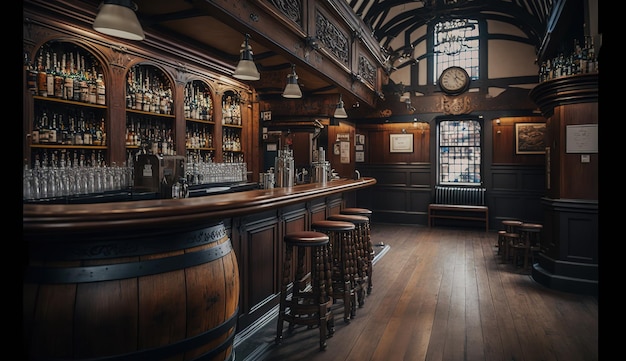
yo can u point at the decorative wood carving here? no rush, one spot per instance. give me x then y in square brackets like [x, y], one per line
[456, 105]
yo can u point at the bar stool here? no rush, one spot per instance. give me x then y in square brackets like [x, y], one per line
[362, 251]
[343, 257]
[368, 239]
[530, 233]
[310, 306]
[510, 227]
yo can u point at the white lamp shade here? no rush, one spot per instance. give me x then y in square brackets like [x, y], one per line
[119, 21]
[292, 90]
[340, 112]
[246, 70]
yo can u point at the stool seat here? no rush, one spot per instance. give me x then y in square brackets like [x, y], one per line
[311, 293]
[357, 211]
[344, 263]
[307, 238]
[328, 225]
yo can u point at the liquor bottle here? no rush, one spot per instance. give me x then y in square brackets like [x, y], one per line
[52, 133]
[93, 89]
[78, 134]
[100, 91]
[34, 135]
[49, 76]
[76, 76]
[42, 86]
[44, 128]
[59, 81]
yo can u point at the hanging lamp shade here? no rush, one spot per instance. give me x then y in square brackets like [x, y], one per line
[117, 18]
[292, 89]
[340, 112]
[246, 69]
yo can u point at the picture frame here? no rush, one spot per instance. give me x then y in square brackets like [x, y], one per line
[530, 138]
[401, 143]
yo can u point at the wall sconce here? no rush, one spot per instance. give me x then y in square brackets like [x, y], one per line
[498, 123]
[246, 69]
[292, 89]
[117, 18]
[340, 112]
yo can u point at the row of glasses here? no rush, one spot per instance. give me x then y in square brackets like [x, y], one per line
[199, 172]
[60, 181]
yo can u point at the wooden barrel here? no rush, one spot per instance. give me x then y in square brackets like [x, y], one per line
[160, 296]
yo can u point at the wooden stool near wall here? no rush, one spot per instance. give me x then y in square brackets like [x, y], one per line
[362, 252]
[510, 228]
[343, 256]
[530, 233]
[310, 306]
[368, 240]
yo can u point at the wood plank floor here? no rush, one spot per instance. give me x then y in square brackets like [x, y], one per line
[445, 294]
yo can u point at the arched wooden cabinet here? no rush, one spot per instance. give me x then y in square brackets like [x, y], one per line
[568, 259]
[95, 103]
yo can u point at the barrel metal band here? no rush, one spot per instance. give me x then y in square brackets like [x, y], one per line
[51, 275]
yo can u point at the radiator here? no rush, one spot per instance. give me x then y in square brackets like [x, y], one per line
[467, 196]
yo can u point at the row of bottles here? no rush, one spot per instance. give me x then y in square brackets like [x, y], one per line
[198, 136]
[198, 103]
[231, 108]
[148, 90]
[70, 127]
[581, 60]
[231, 140]
[66, 72]
[153, 135]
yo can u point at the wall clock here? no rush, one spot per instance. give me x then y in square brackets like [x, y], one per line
[454, 80]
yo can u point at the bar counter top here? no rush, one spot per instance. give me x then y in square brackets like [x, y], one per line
[50, 219]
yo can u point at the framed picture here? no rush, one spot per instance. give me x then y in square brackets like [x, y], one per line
[529, 138]
[401, 143]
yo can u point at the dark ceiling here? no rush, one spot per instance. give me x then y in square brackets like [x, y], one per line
[385, 20]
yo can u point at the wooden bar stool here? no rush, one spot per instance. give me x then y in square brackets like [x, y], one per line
[370, 246]
[530, 233]
[310, 306]
[343, 263]
[510, 227]
[362, 251]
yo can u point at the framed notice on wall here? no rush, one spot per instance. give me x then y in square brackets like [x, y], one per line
[581, 138]
[401, 143]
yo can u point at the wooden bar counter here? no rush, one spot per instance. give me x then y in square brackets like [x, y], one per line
[177, 277]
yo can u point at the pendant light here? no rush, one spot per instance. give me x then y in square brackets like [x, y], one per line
[340, 112]
[246, 69]
[117, 18]
[292, 89]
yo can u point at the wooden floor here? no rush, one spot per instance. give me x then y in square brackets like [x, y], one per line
[445, 294]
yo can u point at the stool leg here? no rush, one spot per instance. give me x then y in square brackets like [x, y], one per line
[370, 258]
[283, 292]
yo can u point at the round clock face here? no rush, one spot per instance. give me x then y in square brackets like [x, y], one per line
[454, 80]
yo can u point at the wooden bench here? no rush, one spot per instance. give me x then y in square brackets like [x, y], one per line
[456, 202]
